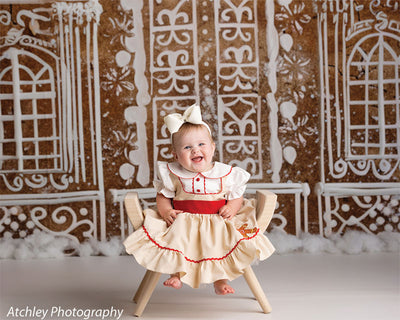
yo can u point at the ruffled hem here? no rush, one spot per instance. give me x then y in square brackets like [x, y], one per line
[154, 257]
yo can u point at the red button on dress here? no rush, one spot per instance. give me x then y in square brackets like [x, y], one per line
[198, 179]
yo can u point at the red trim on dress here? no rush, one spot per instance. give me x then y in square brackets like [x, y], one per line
[205, 192]
[199, 206]
[201, 260]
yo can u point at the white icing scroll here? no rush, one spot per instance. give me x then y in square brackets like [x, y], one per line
[238, 77]
[174, 65]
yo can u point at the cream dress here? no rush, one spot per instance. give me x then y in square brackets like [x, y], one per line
[200, 245]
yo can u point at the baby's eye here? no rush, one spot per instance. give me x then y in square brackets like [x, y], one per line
[201, 144]
[187, 147]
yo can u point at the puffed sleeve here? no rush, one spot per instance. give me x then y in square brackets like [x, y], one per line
[236, 183]
[163, 182]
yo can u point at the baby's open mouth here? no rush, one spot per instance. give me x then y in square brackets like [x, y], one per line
[197, 159]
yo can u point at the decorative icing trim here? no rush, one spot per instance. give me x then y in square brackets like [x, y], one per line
[174, 66]
[237, 68]
[204, 259]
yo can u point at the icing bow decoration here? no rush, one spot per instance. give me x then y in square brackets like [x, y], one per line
[192, 115]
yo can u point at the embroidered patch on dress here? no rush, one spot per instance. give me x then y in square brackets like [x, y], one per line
[245, 232]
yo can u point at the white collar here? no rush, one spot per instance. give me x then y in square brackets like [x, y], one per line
[219, 170]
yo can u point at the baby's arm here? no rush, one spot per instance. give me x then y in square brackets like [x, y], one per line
[165, 209]
[232, 207]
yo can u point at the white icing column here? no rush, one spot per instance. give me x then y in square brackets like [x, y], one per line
[17, 108]
[273, 49]
[134, 46]
[238, 73]
[93, 12]
[74, 20]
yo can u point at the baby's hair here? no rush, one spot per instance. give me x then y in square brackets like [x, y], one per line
[186, 127]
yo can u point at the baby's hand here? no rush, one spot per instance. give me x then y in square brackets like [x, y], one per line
[227, 212]
[169, 216]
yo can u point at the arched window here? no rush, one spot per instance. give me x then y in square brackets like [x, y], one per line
[29, 134]
[372, 115]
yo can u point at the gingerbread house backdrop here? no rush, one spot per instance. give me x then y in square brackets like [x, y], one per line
[303, 94]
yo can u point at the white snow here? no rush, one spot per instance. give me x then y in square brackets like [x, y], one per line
[41, 245]
[351, 242]
[44, 245]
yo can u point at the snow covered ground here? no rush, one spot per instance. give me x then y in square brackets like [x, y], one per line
[298, 285]
[44, 245]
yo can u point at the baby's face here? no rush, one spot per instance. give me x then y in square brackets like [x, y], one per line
[195, 150]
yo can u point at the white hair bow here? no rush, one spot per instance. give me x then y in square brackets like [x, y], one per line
[192, 115]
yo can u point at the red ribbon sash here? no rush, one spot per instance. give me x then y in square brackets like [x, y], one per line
[199, 206]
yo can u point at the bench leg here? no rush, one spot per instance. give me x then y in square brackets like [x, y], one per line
[142, 285]
[255, 287]
[146, 291]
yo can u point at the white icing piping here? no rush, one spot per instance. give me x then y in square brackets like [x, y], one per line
[96, 77]
[273, 49]
[241, 61]
[219, 103]
[57, 141]
[68, 106]
[381, 100]
[327, 94]
[94, 206]
[361, 194]
[137, 114]
[81, 139]
[90, 106]
[17, 108]
[62, 103]
[196, 50]
[344, 70]
[168, 62]
[143, 97]
[357, 189]
[370, 197]
[74, 98]
[359, 162]
[320, 20]
[69, 112]
[49, 198]
[337, 101]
